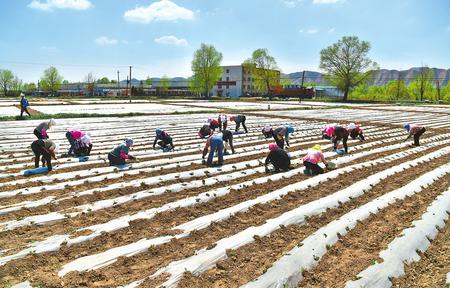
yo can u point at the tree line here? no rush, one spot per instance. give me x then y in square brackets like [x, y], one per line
[346, 65]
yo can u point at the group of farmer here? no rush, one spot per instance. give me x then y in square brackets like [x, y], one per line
[218, 140]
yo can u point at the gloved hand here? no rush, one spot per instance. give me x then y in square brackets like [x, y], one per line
[131, 157]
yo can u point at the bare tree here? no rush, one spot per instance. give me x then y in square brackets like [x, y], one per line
[90, 81]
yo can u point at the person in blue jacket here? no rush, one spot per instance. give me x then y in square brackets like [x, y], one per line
[24, 105]
[165, 139]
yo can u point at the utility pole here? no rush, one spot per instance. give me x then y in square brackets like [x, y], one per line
[126, 90]
[438, 90]
[302, 90]
[130, 84]
[118, 83]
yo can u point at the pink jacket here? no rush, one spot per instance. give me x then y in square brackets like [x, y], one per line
[314, 157]
[328, 130]
[76, 134]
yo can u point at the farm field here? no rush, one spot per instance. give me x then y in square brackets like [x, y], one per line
[379, 220]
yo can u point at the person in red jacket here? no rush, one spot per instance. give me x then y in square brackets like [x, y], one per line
[213, 124]
[355, 131]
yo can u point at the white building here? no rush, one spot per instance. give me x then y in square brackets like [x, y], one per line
[236, 81]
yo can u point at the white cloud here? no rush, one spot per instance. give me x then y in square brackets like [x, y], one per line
[124, 42]
[104, 41]
[290, 3]
[50, 5]
[448, 28]
[309, 31]
[163, 10]
[326, 1]
[331, 30]
[171, 40]
[48, 48]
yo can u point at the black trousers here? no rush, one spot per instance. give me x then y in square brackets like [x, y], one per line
[315, 168]
[280, 142]
[223, 125]
[417, 136]
[24, 109]
[114, 160]
[228, 137]
[38, 151]
[238, 124]
[83, 150]
[71, 142]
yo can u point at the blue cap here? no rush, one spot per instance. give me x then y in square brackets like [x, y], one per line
[290, 129]
[129, 141]
[158, 131]
[407, 127]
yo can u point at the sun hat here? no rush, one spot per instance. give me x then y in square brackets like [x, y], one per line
[273, 146]
[317, 148]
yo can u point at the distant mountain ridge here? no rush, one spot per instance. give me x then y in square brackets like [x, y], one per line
[381, 77]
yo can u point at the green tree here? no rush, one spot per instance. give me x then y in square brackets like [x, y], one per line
[347, 63]
[65, 82]
[422, 86]
[103, 80]
[194, 85]
[359, 92]
[51, 80]
[17, 85]
[30, 87]
[6, 81]
[148, 81]
[285, 82]
[445, 92]
[264, 70]
[396, 89]
[206, 68]
[164, 84]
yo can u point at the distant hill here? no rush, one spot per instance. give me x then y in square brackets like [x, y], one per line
[382, 77]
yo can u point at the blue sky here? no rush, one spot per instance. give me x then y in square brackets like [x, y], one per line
[158, 37]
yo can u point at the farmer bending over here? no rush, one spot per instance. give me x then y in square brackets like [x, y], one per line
[355, 131]
[165, 139]
[312, 159]
[416, 131]
[46, 149]
[278, 158]
[41, 130]
[239, 119]
[214, 142]
[120, 153]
